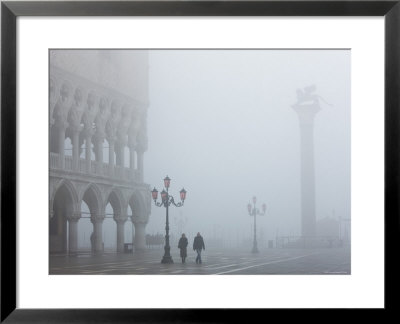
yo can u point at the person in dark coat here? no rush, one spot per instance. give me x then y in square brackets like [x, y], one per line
[182, 245]
[198, 245]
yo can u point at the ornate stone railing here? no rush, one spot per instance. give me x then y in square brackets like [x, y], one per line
[82, 165]
[68, 163]
[54, 160]
[97, 168]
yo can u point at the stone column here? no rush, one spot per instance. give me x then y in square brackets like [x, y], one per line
[140, 170]
[99, 149]
[62, 228]
[132, 225]
[100, 121]
[111, 156]
[61, 140]
[53, 97]
[120, 234]
[73, 233]
[97, 234]
[75, 149]
[120, 152]
[132, 163]
[88, 152]
[306, 114]
[140, 235]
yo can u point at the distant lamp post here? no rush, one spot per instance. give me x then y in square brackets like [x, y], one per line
[180, 223]
[166, 201]
[253, 211]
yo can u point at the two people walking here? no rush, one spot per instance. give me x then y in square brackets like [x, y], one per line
[198, 246]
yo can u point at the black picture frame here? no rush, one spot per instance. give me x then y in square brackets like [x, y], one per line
[10, 10]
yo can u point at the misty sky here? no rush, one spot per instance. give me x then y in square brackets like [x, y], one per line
[220, 124]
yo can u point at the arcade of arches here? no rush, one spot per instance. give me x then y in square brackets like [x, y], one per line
[97, 140]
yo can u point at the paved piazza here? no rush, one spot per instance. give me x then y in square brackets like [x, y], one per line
[215, 262]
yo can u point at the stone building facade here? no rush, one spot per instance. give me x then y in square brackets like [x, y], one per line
[97, 139]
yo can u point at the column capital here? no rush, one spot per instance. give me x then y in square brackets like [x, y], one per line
[111, 139]
[140, 149]
[61, 124]
[121, 219]
[306, 112]
[88, 132]
[75, 128]
[121, 142]
[99, 137]
[132, 145]
[74, 217]
[138, 220]
[98, 218]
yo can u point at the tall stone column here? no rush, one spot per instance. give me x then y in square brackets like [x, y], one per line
[73, 233]
[140, 235]
[97, 238]
[306, 113]
[120, 234]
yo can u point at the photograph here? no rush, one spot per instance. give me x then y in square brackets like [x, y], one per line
[199, 161]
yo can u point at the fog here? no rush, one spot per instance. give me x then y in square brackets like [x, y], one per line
[221, 125]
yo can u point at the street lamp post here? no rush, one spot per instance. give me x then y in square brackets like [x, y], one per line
[166, 201]
[253, 211]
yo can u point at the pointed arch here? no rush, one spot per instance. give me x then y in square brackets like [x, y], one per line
[93, 198]
[70, 188]
[137, 204]
[117, 201]
[63, 204]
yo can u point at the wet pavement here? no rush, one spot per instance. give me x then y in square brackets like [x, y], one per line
[327, 261]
